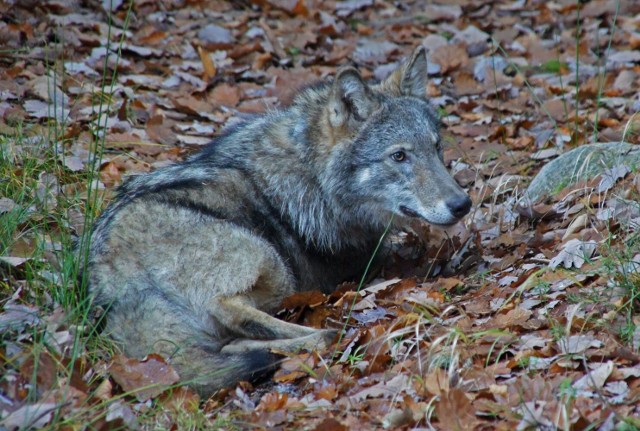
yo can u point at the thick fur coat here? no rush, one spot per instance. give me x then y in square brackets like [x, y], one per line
[191, 261]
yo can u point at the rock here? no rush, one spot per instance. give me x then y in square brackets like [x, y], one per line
[578, 164]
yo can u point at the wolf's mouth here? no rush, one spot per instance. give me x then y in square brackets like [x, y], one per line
[413, 214]
[409, 212]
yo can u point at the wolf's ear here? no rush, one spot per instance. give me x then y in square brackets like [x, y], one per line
[351, 98]
[410, 79]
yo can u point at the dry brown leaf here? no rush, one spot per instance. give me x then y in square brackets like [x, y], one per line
[437, 382]
[311, 299]
[181, 399]
[207, 64]
[398, 384]
[455, 412]
[330, 424]
[293, 7]
[104, 390]
[44, 370]
[466, 85]
[225, 95]
[450, 57]
[516, 317]
[160, 130]
[145, 378]
[272, 402]
[110, 174]
[191, 105]
[447, 284]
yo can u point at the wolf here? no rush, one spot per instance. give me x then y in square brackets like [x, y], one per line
[192, 261]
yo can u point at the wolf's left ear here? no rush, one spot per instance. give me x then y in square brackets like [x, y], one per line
[351, 98]
[410, 79]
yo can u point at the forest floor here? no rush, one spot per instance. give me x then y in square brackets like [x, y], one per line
[528, 318]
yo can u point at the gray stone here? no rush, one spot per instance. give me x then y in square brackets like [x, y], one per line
[579, 164]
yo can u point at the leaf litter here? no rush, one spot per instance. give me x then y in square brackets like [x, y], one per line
[512, 320]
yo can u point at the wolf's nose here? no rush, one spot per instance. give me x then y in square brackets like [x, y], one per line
[460, 206]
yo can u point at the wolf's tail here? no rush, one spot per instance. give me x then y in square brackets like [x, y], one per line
[171, 176]
[209, 370]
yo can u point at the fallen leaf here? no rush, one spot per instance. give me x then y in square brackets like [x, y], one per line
[371, 51]
[119, 410]
[347, 7]
[215, 37]
[225, 95]
[577, 344]
[14, 261]
[30, 416]
[17, 317]
[594, 380]
[455, 412]
[557, 109]
[574, 253]
[293, 7]
[272, 402]
[312, 298]
[442, 12]
[146, 378]
[40, 109]
[611, 176]
[398, 384]
[330, 424]
[516, 317]
[625, 57]
[450, 57]
[7, 205]
[159, 130]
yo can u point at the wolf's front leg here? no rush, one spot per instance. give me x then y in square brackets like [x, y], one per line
[238, 313]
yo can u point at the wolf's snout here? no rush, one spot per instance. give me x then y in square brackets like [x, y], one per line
[459, 206]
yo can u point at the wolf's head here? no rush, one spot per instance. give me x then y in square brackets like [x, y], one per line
[385, 151]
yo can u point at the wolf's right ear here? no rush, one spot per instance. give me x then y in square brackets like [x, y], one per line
[350, 99]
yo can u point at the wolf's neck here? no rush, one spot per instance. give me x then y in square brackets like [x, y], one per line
[295, 180]
[319, 221]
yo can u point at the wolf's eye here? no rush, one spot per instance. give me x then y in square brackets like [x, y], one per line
[399, 156]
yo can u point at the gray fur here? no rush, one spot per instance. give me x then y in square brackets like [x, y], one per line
[191, 261]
